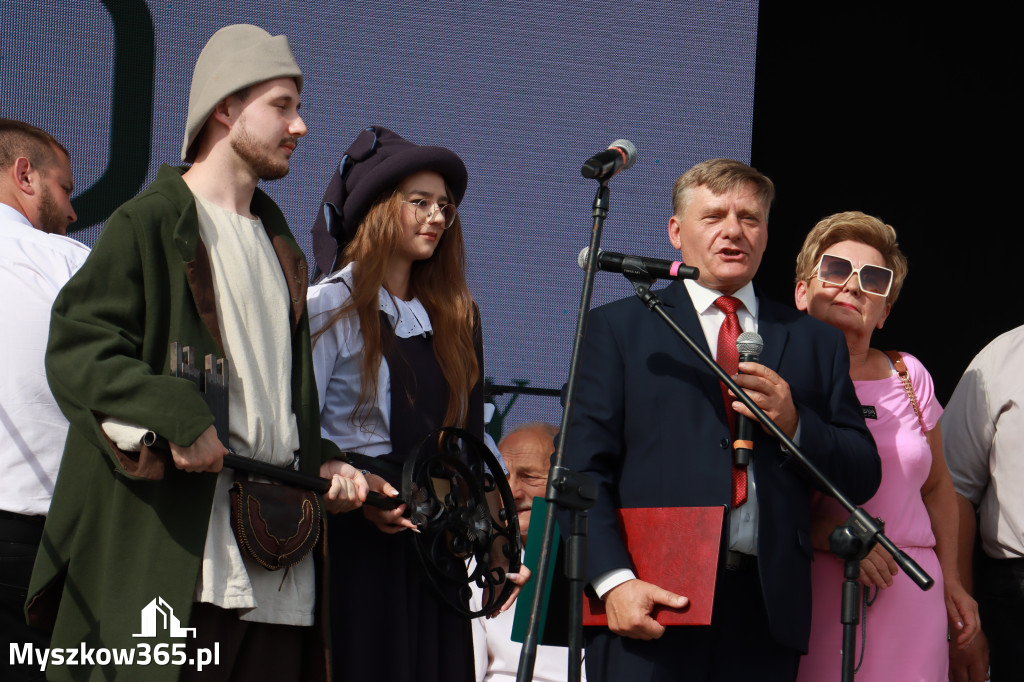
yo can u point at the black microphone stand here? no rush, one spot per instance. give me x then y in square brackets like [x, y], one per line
[568, 490]
[851, 541]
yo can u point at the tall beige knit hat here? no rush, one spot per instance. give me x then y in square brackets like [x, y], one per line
[235, 57]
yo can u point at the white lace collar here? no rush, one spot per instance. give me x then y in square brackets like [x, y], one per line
[408, 318]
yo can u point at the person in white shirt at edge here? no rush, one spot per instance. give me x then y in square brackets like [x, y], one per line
[527, 454]
[36, 260]
[983, 427]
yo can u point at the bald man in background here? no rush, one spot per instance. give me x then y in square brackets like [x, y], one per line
[527, 453]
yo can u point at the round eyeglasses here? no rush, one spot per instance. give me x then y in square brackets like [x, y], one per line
[425, 211]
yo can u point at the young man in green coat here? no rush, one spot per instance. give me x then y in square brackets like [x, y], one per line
[137, 555]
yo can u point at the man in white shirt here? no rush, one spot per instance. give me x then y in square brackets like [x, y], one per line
[982, 431]
[35, 262]
[527, 454]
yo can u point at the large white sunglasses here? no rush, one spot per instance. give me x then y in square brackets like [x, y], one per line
[873, 279]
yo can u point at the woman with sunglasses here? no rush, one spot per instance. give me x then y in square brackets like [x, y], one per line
[397, 354]
[848, 274]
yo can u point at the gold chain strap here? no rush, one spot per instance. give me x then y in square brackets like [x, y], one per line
[901, 370]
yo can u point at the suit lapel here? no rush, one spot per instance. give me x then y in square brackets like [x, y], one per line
[679, 306]
[774, 334]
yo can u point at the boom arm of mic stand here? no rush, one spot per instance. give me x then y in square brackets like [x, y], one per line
[864, 525]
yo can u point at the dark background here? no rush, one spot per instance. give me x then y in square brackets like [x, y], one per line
[911, 116]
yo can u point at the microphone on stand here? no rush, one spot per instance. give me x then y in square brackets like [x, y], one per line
[749, 345]
[653, 267]
[619, 156]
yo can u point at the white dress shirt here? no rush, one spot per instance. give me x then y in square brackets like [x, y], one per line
[34, 266]
[497, 655]
[337, 359]
[982, 436]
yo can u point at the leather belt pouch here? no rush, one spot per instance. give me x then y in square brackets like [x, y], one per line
[275, 525]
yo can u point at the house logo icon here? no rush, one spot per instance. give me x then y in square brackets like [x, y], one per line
[158, 614]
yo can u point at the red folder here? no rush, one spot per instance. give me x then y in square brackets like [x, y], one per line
[675, 548]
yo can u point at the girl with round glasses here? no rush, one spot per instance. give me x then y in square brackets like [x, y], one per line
[397, 353]
[848, 274]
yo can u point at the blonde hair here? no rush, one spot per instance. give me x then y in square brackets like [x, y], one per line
[857, 227]
[439, 282]
[721, 176]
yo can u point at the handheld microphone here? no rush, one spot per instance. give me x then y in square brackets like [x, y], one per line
[619, 156]
[749, 346]
[638, 265]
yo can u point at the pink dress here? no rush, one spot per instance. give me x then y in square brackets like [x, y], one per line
[906, 627]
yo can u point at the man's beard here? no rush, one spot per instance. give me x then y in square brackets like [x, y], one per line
[262, 163]
[51, 218]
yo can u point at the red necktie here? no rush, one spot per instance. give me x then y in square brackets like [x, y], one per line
[728, 358]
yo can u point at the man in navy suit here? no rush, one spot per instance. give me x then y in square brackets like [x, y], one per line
[651, 424]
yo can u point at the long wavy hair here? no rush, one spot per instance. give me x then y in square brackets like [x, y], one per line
[439, 282]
